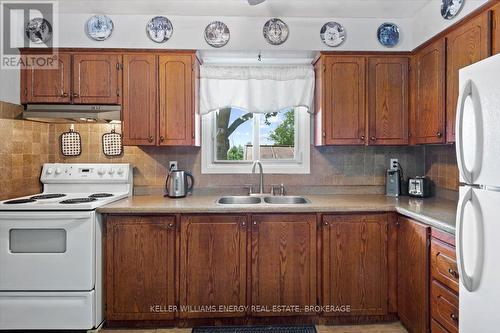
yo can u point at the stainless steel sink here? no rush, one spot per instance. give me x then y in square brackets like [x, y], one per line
[239, 200]
[286, 200]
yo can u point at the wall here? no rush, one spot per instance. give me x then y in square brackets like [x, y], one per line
[24, 147]
[333, 169]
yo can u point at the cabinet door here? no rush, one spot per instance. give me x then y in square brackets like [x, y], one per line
[139, 99]
[388, 101]
[344, 112]
[283, 262]
[495, 34]
[176, 100]
[44, 85]
[465, 45]
[413, 275]
[140, 267]
[355, 264]
[430, 109]
[213, 264]
[96, 78]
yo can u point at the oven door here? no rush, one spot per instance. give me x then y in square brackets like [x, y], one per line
[47, 251]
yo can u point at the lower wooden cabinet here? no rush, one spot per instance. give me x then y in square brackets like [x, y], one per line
[283, 262]
[413, 275]
[140, 269]
[444, 307]
[355, 263]
[213, 269]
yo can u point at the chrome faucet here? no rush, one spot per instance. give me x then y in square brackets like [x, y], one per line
[261, 180]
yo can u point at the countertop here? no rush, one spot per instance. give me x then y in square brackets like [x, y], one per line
[436, 212]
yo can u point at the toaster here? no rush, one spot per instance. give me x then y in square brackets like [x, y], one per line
[419, 187]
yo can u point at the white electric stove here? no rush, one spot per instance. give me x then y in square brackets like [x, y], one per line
[51, 247]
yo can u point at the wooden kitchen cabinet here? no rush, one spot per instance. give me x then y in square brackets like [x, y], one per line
[97, 78]
[283, 261]
[495, 33]
[178, 114]
[213, 263]
[413, 275]
[342, 103]
[44, 85]
[430, 94]
[467, 44]
[139, 99]
[140, 269]
[388, 100]
[355, 263]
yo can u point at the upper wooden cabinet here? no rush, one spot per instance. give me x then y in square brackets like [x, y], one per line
[177, 113]
[213, 263]
[283, 261]
[495, 16]
[140, 267]
[428, 125]
[355, 263]
[413, 275]
[139, 99]
[342, 105]
[388, 100]
[96, 78]
[48, 85]
[466, 45]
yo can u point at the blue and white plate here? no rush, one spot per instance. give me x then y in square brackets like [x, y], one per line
[451, 8]
[159, 29]
[275, 31]
[217, 34]
[39, 30]
[332, 34]
[99, 27]
[388, 34]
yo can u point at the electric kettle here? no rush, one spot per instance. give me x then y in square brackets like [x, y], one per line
[177, 184]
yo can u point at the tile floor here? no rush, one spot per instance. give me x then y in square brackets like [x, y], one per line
[378, 328]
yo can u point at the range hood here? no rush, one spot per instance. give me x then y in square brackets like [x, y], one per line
[70, 113]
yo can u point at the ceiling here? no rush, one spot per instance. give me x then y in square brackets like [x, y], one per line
[283, 8]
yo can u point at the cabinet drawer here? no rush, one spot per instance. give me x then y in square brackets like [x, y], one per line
[444, 307]
[444, 264]
[437, 328]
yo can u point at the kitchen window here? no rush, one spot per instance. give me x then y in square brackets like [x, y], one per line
[252, 113]
[233, 138]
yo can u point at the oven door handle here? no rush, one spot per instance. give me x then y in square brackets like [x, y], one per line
[44, 216]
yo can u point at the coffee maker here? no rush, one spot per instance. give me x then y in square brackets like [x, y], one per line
[393, 183]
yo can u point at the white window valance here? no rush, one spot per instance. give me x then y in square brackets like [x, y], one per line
[259, 89]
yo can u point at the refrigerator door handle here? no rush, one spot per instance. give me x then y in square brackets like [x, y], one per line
[469, 91]
[471, 283]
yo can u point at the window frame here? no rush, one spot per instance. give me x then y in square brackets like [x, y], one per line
[299, 165]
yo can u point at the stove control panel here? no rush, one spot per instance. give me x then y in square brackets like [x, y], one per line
[70, 172]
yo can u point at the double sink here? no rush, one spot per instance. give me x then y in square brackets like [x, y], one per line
[254, 200]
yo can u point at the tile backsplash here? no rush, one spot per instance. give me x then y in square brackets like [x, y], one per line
[441, 166]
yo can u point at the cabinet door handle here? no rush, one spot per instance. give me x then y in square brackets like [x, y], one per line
[326, 223]
[64, 94]
[454, 317]
[150, 139]
[453, 273]
[439, 134]
[243, 224]
[75, 95]
[324, 134]
[373, 138]
[362, 138]
[254, 222]
[162, 139]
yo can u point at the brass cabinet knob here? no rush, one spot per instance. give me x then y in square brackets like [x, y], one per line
[171, 225]
[325, 223]
[75, 95]
[453, 272]
[454, 317]
[373, 138]
[243, 223]
[254, 222]
[362, 138]
[64, 94]
[150, 139]
[439, 134]
[162, 139]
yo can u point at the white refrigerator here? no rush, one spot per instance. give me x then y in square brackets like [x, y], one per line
[478, 211]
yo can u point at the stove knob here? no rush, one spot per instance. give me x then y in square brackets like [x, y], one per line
[111, 171]
[50, 171]
[101, 171]
[120, 171]
[58, 171]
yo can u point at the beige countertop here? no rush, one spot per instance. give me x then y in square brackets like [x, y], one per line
[436, 212]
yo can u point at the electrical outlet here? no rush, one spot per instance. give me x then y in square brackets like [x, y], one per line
[394, 165]
[172, 165]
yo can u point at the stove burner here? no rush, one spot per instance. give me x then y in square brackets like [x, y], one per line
[48, 196]
[78, 200]
[100, 195]
[19, 201]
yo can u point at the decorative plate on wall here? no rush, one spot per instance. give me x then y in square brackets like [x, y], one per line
[217, 34]
[388, 34]
[99, 27]
[332, 34]
[275, 31]
[39, 30]
[159, 29]
[451, 8]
